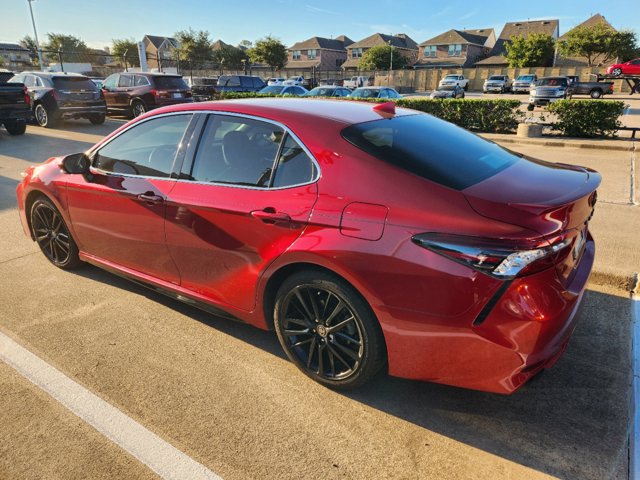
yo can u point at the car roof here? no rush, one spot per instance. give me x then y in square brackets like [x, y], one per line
[152, 74]
[285, 109]
[53, 74]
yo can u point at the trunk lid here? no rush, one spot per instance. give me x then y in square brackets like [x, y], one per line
[555, 200]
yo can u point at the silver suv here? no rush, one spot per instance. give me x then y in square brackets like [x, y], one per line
[497, 83]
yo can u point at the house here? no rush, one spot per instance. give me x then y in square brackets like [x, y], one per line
[561, 61]
[513, 29]
[322, 53]
[402, 43]
[456, 48]
[228, 56]
[159, 49]
[14, 57]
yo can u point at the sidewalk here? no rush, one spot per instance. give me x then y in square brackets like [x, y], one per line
[616, 222]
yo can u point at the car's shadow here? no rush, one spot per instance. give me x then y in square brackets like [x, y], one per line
[570, 422]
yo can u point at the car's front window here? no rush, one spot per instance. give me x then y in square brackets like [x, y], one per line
[365, 93]
[146, 149]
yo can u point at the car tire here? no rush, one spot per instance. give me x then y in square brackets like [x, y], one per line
[616, 72]
[309, 307]
[596, 93]
[52, 235]
[462, 95]
[138, 108]
[14, 127]
[44, 116]
[98, 119]
[531, 107]
[466, 87]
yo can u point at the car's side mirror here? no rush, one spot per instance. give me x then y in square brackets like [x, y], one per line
[77, 163]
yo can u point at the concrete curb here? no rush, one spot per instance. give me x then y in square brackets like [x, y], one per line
[634, 432]
[621, 281]
[609, 145]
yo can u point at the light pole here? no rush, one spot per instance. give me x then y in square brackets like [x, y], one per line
[391, 62]
[35, 34]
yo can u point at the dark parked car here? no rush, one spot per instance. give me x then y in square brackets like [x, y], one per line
[375, 92]
[202, 88]
[137, 93]
[15, 104]
[293, 90]
[365, 235]
[239, 83]
[593, 89]
[56, 96]
[328, 91]
[448, 91]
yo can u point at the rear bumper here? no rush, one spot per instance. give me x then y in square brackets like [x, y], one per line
[82, 111]
[525, 332]
[22, 114]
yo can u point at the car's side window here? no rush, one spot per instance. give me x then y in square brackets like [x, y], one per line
[29, 81]
[147, 149]
[236, 150]
[384, 93]
[140, 81]
[111, 81]
[125, 81]
[294, 166]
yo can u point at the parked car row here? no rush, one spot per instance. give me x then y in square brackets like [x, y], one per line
[331, 91]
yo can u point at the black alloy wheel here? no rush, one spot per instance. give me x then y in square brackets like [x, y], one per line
[52, 235]
[328, 330]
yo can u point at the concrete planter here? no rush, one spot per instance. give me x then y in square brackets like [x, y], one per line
[529, 130]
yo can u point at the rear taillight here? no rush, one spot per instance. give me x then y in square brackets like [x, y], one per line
[503, 259]
[154, 92]
[27, 98]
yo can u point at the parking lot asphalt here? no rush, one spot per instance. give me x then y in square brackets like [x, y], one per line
[224, 394]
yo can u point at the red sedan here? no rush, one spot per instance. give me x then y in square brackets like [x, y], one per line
[632, 67]
[365, 236]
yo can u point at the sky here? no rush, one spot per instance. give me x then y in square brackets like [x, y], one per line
[98, 22]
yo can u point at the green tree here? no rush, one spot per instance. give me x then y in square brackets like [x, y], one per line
[599, 41]
[128, 47]
[533, 50]
[229, 56]
[379, 58]
[270, 51]
[246, 44]
[73, 49]
[195, 48]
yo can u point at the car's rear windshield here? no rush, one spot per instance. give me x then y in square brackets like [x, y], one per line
[552, 82]
[170, 82]
[431, 148]
[74, 83]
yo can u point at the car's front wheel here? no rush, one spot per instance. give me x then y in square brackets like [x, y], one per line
[52, 235]
[328, 330]
[616, 72]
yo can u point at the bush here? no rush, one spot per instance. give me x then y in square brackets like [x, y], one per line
[587, 118]
[476, 115]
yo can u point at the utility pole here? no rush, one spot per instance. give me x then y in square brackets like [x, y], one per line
[35, 34]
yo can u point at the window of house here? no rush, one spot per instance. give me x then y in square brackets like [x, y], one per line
[430, 51]
[148, 149]
[311, 54]
[356, 53]
[455, 50]
[297, 54]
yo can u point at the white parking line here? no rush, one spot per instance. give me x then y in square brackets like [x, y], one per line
[634, 436]
[146, 446]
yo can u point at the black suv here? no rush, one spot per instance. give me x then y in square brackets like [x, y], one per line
[137, 93]
[56, 95]
[239, 83]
